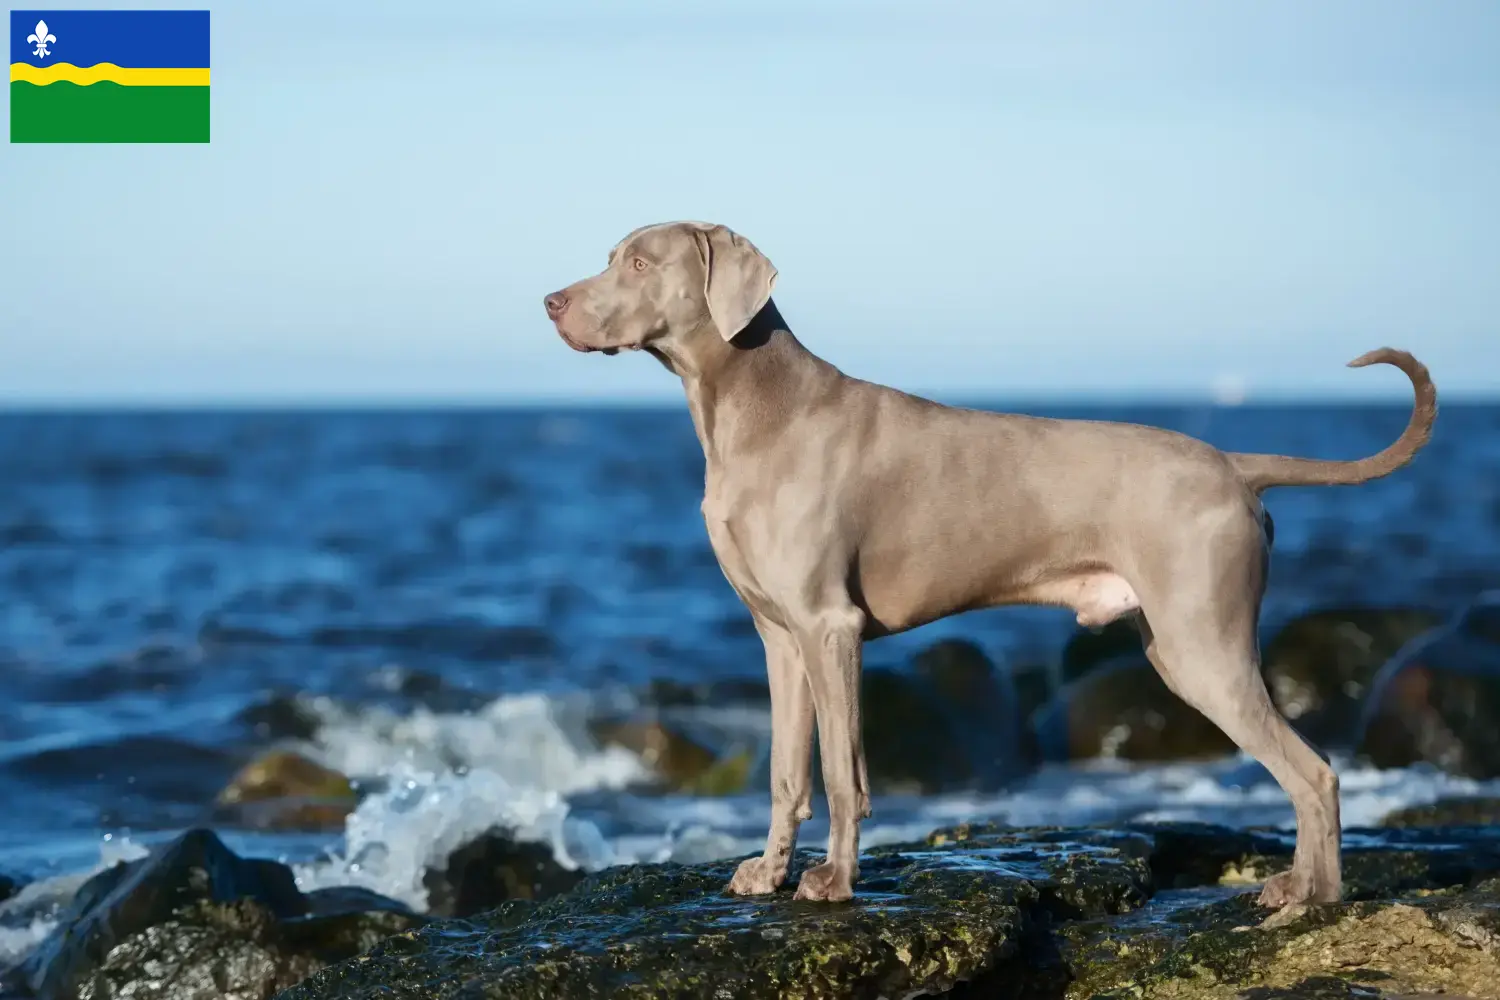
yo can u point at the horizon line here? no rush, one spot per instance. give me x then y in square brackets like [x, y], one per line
[46, 406]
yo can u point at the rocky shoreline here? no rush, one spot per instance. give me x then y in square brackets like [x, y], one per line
[1148, 912]
[1145, 911]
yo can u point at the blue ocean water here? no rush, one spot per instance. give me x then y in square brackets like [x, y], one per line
[452, 590]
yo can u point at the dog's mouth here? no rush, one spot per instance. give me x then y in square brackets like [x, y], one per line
[579, 347]
[583, 348]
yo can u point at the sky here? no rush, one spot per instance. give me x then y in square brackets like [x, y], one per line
[993, 200]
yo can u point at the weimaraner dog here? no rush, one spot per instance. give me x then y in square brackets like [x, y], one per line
[842, 511]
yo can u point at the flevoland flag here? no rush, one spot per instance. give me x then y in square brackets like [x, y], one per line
[109, 76]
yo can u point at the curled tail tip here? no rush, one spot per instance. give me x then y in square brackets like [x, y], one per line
[1385, 355]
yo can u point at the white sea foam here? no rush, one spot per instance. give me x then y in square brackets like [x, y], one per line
[531, 741]
[396, 836]
[31, 914]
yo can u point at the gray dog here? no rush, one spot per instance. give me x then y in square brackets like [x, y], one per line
[842, 511]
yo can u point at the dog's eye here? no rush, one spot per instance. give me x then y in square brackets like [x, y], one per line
[639, 263]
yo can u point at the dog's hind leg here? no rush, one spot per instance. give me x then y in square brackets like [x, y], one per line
[1204, 646]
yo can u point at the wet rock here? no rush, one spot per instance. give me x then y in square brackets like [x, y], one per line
[1390, 948]
[922, 747]
[1090, 648]
[492, 869]
[668, 693]
[194, 921]
[279, 717]
[959, 672]
[1437, 701]
[1123, 710]
[929, 917]
[1154, 912]
[9, 886]
[1032, 683]
[1319, 667]
[982, 702]
[682, 763]
[282, 790]
[1448, 812]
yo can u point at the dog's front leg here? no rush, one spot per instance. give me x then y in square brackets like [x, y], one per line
[791, 762]
[830, 644]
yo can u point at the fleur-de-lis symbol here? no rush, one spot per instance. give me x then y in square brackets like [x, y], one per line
[41, 38]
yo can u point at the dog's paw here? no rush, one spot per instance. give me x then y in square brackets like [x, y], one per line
[757, 877]
[826, 883]
[1295, 888]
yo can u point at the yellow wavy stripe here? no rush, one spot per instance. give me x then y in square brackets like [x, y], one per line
[128, 76]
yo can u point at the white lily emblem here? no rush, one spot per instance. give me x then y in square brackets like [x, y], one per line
[41, 38]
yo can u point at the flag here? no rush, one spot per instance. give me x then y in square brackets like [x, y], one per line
[109, 76]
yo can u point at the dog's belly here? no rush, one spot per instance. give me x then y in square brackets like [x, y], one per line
[1096, 596]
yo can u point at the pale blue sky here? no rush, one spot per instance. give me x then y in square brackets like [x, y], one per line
[988, 199]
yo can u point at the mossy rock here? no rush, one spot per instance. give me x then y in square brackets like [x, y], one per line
[193, 921]
[283, 790]
[681, 763]
[1123, 710]
[984, 705]
[1150, 911]
[1437, 702]
[492, 869]
[1320, 667]
[925, 918]
[1089, 648]
[1448, 812]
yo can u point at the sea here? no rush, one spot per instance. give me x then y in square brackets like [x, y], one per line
[448, 597]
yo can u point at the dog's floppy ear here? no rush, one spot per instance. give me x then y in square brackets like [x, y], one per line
[737, 278]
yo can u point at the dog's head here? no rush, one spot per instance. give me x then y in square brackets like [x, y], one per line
[664, 286]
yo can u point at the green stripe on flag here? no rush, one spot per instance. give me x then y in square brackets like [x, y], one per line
[107, 112]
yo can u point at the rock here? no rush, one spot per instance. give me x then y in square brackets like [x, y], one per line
[681, 763]
[933, 917]
[982, 702]
[1032, 683]
[193, 921]
[1155, 912]
[282, 790]
[949, 722]
[922, 747]
[1089, 648]
[668, 693]
[1437, 701]
[279, 717]
[492, 869]
[1448, 812]
[1123, 710]
[1319, 667]
[961, 674]
[677, 759]
[9, 886]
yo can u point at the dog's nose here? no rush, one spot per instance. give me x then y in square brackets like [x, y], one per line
[556, 304]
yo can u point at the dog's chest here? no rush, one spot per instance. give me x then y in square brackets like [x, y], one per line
[739, 543]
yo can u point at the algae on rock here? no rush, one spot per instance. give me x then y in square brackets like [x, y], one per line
[1146, 911]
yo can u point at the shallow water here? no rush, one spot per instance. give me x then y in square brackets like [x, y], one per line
[455, 593]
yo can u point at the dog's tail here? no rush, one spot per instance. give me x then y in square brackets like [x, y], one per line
[1260, 472]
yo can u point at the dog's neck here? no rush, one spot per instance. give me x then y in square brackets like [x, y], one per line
[748, 391]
